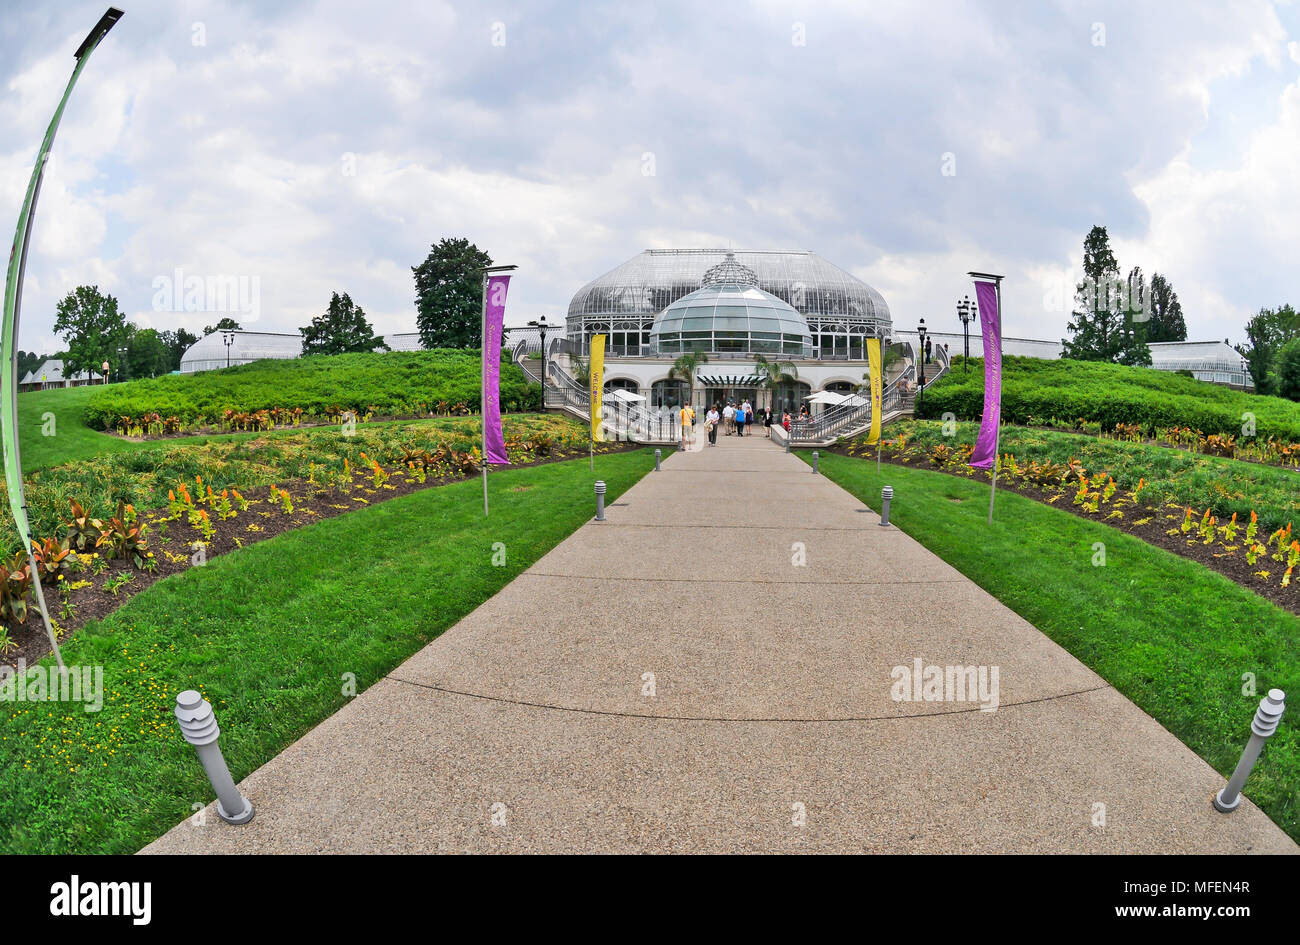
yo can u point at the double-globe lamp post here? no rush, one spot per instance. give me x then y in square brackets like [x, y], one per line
[966, 312]
[228, 337]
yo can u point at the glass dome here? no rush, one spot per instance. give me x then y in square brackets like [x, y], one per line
[731, 315]
[840, 310]
[210, 352]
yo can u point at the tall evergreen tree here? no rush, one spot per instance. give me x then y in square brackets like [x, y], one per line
[1166, 313]
[341, 330]
[449, 294]
[1101, 326]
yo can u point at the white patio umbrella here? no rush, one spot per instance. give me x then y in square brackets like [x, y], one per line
[618, 393]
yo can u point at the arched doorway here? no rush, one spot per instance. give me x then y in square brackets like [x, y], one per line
[789, 397]
[668, 393]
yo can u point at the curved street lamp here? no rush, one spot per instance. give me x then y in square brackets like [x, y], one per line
[9, 330]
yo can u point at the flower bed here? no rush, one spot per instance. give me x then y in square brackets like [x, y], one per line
[1239, 547]
[100, 559]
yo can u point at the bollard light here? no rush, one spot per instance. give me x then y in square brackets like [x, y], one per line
[1265, 724]
[600, 500]
[199, 726]
[886, 495]
[658, 455]
[815, 457]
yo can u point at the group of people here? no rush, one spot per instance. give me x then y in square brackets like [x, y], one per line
[734, 419]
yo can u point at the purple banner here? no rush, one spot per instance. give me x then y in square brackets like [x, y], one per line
[986, 293]
[494, 315]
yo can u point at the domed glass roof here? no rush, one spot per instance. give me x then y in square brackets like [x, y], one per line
[731, 315]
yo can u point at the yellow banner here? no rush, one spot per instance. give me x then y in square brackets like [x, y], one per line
[873, 366]
[597, 383]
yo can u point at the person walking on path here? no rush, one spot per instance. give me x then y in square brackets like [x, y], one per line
[688, 422]
[767, 421]
[729, 415]
[711, 424]
[740, 420]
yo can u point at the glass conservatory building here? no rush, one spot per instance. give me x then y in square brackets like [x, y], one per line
[839, 310]
[729, 306]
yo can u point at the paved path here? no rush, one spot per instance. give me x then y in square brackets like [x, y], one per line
[771, 703]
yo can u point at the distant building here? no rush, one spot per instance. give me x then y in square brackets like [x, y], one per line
[210, 352]
[1214, 361]
[50, 376]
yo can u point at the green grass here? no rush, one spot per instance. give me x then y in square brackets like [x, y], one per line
[1171, 635]
[267, 633]
[398, 383]
[1035, 390]
[71, 439]
[1174, 475]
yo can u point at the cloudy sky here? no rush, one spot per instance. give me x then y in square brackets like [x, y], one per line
[307, 147]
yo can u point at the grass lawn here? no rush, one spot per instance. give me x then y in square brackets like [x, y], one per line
[1171, 635]
[267, 633]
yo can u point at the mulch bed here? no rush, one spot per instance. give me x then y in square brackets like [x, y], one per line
[263, 519]
[1231, 565]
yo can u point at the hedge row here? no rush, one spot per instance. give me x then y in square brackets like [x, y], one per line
[393, 383]
[1035, 391]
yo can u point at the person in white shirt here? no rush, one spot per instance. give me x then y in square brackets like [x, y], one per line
[711, 420]
[729, 417]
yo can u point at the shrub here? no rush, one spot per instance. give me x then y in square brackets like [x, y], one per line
[1109, 395]
[283, 392]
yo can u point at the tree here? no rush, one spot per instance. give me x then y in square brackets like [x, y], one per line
[1102, 327]
[342, 329]
[449, 294]
[1266, 333]
[685, 368]
[1166, 313]
[89, 321]
[1288, 370]
[226, 324]
[177, 342]
[773, 374]
[147, 355]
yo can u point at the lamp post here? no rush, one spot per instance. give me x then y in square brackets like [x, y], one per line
[966, 312]
[920, 363]
[541, 326]
[122, 352]
[228, 338]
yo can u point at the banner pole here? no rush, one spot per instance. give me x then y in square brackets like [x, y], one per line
[482, 394]
[997, 432]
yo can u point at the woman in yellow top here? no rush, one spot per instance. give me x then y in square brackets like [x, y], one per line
[688, 423]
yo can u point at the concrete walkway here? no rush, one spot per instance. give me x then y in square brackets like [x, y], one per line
[530, 727]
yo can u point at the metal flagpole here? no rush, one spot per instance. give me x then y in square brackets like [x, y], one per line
[486, 273]
[482, 392]
[12, 306]
[997, 430]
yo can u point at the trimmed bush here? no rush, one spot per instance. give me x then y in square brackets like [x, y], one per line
[399, 383]
[1036, 391]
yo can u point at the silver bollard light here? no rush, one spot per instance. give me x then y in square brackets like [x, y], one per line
[787, 441]
[1267, 717]
[600, 500]
[886, 496]
[816, 456]
[199, 726]
[658, 455]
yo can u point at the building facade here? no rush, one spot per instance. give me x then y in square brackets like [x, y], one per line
[727, 307]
